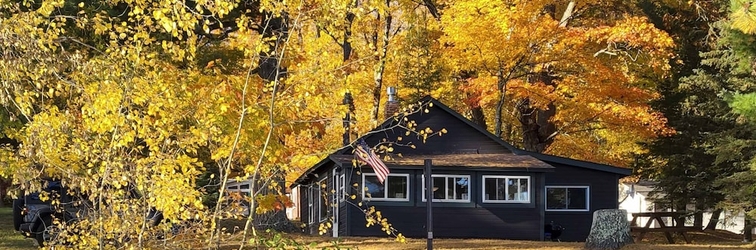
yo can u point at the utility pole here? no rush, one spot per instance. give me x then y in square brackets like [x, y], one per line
[429, 201]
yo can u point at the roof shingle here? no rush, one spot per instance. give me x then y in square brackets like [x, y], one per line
[461, 160]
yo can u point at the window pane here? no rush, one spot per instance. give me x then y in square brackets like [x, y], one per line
[439, 188]
[462, 188]
[490, 188]
[501, 189]
[374, 188]
[450, 188]
[311, 198]
[512, 187]
[323, 201]
[524, 195]
[341, 187]
[576, 198]
[397, 187]
[556, 198]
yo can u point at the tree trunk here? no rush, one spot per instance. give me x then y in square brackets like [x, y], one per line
[381, 64]
[538, 130]
[502, 87]
[272, 26]
[346, 44]
[714, 220]
[609, 230]
[508, 130]
[431, 5]
[3, 190]
[567, 15]
[748, 230]
[698, 216]
[478, 117]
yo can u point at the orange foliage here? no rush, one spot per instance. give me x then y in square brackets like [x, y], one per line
[602, 69]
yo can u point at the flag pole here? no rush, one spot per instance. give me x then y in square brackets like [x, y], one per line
[429, 201]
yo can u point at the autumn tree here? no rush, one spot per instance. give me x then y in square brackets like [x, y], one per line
[116, 97]
[573, 75]
[161, 97]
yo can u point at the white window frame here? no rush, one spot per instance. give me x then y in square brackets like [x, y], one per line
[385, 188]
[446, 176]
[239, 187]
[587, 199]
[506, 177]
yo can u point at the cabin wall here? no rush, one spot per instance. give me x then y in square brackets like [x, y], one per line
[603, 194]
[473, 219]
[314, 198]
[454, 222]
[343, 216]
[460, 137]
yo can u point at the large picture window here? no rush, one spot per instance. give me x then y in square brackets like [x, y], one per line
[450, 188]
[567, 198]
[506, 189]
[395, 188]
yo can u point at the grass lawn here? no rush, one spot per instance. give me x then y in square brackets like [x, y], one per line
[9, 238]
[653, 241]
[700, 241]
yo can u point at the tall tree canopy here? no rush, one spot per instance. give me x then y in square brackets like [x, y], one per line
[573, 76]
[149, 95]
[707, 103]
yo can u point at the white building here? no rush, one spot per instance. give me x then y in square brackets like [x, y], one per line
[635, 198]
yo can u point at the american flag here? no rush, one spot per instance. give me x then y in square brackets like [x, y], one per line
[366, 154]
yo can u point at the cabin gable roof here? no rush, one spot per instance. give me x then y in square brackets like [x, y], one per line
[462, 137]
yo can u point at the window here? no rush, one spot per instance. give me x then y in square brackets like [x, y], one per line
[312, 195]
[395, 188]
[342, 188]
[239, 188]
[450, 188]
[506, 189]
[322, 200]
[567, 198]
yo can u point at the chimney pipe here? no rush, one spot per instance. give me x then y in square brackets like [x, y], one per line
[392, 105]
[391, 91]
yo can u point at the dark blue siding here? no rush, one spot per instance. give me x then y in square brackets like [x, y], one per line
[458, 220]
[603, 195]
[460, 138]
[455, 222]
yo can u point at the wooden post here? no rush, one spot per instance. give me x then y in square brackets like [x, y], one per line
[429, 201]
